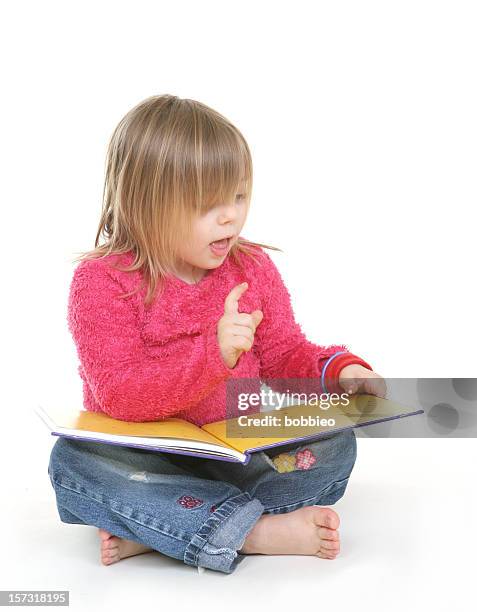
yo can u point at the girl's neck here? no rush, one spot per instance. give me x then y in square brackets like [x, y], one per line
[192, 277]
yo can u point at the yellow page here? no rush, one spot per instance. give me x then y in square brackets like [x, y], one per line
[362, 409]
[85, 420]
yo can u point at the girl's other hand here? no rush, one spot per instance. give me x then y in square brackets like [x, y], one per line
[235, 330]
[358, 379]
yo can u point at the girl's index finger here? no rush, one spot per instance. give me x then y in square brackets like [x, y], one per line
[231, 301]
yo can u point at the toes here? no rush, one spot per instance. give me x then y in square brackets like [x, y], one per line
[110, 544]
[325, 555]
[106, 560]
[110, 557]
[326, 517]
[109, 561]
[332, 520]
[328, 534]
[114, 550]
[329, 545]
[104, 535]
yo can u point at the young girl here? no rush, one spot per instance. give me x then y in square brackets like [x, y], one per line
[170, 307]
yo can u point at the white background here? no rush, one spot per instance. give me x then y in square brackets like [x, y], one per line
[361, 121]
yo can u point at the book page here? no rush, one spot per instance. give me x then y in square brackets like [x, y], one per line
[85, 420]
[362, 409]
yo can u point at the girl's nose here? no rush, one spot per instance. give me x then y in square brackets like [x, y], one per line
[228, 213]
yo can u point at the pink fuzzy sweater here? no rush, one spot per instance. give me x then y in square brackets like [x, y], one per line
[150, 363]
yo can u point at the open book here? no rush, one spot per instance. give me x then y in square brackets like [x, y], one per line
[227, 440]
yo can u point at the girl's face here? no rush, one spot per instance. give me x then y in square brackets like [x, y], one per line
[222, 221]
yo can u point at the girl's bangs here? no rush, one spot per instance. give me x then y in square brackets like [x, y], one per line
[222, 192]
[224, 167]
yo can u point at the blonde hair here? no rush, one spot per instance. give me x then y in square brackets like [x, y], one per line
[168, 159]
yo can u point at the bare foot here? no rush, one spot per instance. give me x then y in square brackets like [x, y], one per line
[114, 549]
[307, 531]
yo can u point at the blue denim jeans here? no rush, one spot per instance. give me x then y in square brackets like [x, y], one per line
[193, 509]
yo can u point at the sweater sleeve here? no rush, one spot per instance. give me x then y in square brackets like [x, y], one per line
[127, 383]
[285, 352]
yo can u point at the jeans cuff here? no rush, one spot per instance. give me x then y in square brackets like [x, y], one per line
[216, 543]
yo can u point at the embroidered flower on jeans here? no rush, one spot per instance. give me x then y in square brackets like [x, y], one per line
[187, 501]
[213, 508]
[305, 459]
[284, 462]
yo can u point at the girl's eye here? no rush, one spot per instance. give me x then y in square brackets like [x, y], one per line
[240, 196]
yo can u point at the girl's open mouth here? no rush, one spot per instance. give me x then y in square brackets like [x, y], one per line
[220, 247]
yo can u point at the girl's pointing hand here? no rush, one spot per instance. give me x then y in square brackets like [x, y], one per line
[235, 330]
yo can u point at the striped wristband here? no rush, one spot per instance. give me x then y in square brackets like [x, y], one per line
[333, 367]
